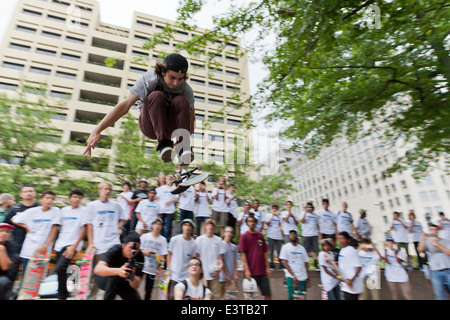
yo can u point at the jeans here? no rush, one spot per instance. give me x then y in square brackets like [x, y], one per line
[335, 293]
[62, 263]
[115, 285]
[198, 222]
[5, 287]
[440, 280]
[274, 244]
[167, 230]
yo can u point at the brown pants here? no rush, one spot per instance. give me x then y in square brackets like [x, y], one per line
[157, 121]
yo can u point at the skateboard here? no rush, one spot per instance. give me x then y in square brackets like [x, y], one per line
[299, 294]
[335, 267]
[250, 289]
[163, 285]
[231, 292]
[34, 273]
[186, 179]
[86, 265]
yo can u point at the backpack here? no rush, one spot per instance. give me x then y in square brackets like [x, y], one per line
[186, 286]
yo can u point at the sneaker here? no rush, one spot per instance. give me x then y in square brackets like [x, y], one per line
[166, 154]
[185, 157]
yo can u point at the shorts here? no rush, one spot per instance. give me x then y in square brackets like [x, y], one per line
[221, 218]
[263, 284]
[311, 244]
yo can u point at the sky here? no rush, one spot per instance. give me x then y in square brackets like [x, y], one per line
[120, 12]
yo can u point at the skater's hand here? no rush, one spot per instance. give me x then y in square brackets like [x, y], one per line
[42, 249]
[70, 251]
[248, 274]
[91, 142]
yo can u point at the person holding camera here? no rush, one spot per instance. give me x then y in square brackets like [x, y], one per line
[396, 276]
[219, 206]
[369, 255]
[119, 271]
[438, 253]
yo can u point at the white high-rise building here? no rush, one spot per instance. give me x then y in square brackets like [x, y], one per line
[352, 173]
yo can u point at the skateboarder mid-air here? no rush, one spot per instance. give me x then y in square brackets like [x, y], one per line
[166, 104]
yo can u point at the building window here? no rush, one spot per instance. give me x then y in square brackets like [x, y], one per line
[43, 71]
[46, 52]
[434, 195]
[25, 29]
[423, 196]
[11, 65]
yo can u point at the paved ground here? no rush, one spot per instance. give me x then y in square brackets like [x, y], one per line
[422, 289]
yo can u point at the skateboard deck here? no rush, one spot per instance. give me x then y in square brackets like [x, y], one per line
[163, 285]
[336, 269]
[250, 289]
[34, 273]
[185, 184]
[86, 267]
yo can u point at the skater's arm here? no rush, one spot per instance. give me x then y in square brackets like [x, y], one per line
[5, 262]
[115, 114]
[51, 237]
[70, 251]
[192, 121]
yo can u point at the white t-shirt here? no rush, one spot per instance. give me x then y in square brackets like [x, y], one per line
[348, 262]
[148, 211]
[274, 226]
[290, 224]
[164, 194]
[259, 215]
[71, 221]
[416, 234]
[203, 205]
[195, 293]
[344, 222]
[363, 227]
[394, 271]
[124, 204]
[296, 257]
[105, 217]
[182, 250]
[369, 261]
[309, 227]
[444, 233]
[150, 243]
[209, 250]
[233, 204]
[327, 219]
[220, 204]
[328, 282]
[187, 199]
[244, 227]
[400, 234]
[40, 223]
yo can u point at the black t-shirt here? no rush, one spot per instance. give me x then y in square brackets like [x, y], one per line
[11, 251]
[19, 232]
[114, 258]
[139, 193]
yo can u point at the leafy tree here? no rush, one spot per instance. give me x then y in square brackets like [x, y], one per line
[28, 149]
[334, 72]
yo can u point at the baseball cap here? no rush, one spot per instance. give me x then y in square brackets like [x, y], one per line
[7, 225]
[389, 239]
[5, 196]
[176, 62]
[143, 180]
[189, 221]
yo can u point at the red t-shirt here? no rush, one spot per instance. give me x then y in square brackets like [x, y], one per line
[254, 246]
